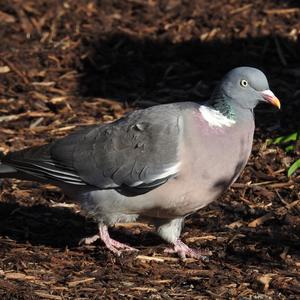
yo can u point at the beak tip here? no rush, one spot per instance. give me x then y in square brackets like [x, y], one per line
[275, 101]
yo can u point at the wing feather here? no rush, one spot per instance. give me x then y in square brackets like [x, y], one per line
[133, 155]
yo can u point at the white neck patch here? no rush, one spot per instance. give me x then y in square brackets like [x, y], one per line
[214, 118]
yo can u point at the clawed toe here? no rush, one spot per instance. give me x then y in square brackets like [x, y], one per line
[113, 245]
[184, 251]
[122, 246]
[89, 240]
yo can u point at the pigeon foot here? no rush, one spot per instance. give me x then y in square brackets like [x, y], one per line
[184, 251]
[113, 245]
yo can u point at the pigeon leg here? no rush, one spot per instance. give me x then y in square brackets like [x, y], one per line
[184, 251]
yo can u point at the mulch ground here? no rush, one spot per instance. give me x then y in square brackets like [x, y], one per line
[68, 63]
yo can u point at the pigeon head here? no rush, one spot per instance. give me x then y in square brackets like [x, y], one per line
[243, 87]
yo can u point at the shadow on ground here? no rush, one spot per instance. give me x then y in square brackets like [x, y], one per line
[60, 228]
[146, 72]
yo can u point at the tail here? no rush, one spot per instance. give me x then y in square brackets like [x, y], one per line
[10, 169]
[39, 164]
[7, 171]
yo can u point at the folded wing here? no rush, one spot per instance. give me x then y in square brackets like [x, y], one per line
[132, 155]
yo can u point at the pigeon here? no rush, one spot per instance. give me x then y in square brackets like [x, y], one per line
[158, 165]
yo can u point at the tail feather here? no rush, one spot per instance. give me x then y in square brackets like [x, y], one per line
[11, 164]
[38, 164]
[7, 171]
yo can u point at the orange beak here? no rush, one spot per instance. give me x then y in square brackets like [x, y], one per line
[269, 97]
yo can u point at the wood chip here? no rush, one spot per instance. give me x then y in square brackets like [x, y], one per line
[59, 99]
[81, 281]
[6, 18]
[143, 288]
[163, 258]
[162, 281]
[63, 204]
[261, 220]
[236, 224]
[66, 128]
[9, 118]
[241, 9]
[18, 276]
[269, 184]
[44, 83]
[293, 204]
[4, 69]
[31, 114]
[150, 258]
[36, 123]
[48, 296]
[201, 238]
[15, 69]
[265, 279]
[282, 11]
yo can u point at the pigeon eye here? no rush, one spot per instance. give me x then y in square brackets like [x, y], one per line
[244, 83]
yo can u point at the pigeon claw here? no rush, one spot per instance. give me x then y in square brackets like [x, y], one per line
[185, 251]
[117, 247]
[113, 245]
[89, 240]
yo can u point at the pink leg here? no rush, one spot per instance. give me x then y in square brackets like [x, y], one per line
[110, 243]
[185, 251]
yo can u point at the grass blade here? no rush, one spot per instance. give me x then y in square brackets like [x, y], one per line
[294, 167]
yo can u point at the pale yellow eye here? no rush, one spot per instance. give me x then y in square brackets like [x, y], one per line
[244, 83]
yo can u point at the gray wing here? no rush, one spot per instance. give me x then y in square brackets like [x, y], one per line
[133, 155]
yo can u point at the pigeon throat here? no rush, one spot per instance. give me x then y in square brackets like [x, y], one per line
[219, 111]
[223, 106]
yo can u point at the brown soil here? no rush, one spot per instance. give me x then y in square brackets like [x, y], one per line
[70, 63]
